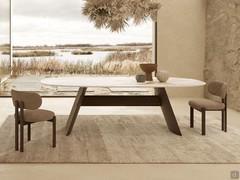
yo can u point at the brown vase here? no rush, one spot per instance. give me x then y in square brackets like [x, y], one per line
[148, 69]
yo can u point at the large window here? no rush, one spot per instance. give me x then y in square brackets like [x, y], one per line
[4, 41]
[53, 38]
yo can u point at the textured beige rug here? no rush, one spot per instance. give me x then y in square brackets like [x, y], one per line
[123, 139]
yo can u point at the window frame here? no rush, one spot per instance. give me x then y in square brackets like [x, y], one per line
[154, 43]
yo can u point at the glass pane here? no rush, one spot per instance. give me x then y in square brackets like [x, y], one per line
[4, 43]
[51, 38]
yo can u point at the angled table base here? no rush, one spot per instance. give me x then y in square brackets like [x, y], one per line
[75, 109]
[168, 111]
[161, 99]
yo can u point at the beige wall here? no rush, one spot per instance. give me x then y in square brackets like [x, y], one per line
[181, 41]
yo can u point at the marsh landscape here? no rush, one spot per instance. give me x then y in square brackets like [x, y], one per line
[81, 59]
[69, 43]
[30, 62]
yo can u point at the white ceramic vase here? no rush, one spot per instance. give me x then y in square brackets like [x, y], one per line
[162, 75]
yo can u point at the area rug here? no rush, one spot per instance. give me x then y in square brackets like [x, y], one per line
[123, 139]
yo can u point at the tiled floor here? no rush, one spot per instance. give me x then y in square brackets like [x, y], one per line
[121, 172]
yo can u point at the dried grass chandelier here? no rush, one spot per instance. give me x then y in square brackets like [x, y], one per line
[115, 14]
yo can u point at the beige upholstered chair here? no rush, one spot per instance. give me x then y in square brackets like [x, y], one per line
[218, 89]
[27, 112]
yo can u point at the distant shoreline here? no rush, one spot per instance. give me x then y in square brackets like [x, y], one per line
[73, 46]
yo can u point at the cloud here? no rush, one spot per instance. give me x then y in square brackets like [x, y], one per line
[38, 22]
[62, 9]
[4, 21]
[4, 10]
[40, 31]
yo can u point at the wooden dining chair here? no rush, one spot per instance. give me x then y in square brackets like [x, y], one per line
[27, 112]
[215, 88]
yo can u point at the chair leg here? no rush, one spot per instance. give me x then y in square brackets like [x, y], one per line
[54, 132]
[21, 138]
[29, 132]
[16, 135]
[203, 122]
[225, 118]
[191, 117]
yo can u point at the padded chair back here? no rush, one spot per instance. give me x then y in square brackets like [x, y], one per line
[217, 88]
[31, 100]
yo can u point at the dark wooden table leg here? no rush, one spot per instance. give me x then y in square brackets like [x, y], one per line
[75, 109]
[168, 111]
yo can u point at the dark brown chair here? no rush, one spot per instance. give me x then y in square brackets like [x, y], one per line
[219, 90]
[27, 112]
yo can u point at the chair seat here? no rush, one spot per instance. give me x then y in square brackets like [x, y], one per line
[38, 115]
[206, 104]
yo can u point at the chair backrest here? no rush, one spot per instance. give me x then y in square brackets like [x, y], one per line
[31, 100]
[217, 88]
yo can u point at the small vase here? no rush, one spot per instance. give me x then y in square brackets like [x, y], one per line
[140, 78]
[162, 76]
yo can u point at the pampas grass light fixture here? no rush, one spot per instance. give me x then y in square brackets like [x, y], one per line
[115, 14]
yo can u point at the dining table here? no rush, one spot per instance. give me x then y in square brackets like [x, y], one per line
[159, 98]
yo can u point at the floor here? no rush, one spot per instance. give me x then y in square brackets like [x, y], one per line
[124, 171]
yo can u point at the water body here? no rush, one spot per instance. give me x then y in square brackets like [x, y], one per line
[66, 55]
[4, 57]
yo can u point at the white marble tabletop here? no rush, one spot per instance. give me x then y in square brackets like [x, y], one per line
[118, 82]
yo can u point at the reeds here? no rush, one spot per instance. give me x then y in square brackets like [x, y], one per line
[33, 54]
[115, 63]
[80, 52]
[4, 67]
[6, 53]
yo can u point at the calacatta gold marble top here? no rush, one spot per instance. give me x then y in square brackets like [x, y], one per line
[118, 82]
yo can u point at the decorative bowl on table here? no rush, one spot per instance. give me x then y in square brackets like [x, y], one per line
[148, 69]
[140, 78]
[162, 75]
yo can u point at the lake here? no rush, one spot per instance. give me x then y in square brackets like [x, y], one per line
[66, 55]
[4, 57]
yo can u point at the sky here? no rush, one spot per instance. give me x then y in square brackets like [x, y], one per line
[51, 22]
[4, 21]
